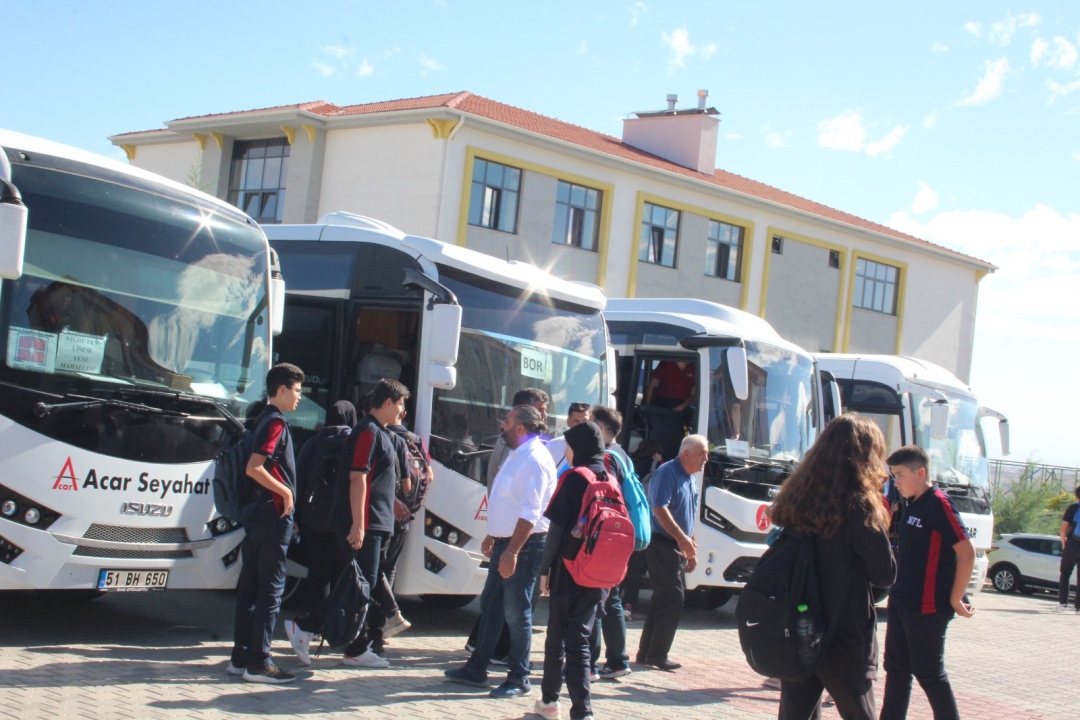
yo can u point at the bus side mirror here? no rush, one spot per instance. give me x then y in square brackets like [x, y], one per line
[740, 375]
[277, 294]
[611, 369]
[939, 419]
[442, 377]
[1003, 430]
[13, 221]
[444, 332]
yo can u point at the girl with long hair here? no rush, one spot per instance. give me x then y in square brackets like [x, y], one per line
[834, 497]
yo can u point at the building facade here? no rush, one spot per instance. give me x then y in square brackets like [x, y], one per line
[645, 215]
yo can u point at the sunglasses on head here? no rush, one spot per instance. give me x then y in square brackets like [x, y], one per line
[579, 407]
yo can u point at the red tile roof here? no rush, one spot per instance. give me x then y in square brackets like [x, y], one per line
[471, 104]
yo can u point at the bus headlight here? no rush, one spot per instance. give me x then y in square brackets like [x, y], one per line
[32, 516]
[438, 529]
[9, 508]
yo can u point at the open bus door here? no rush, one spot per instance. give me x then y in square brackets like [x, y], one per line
[645, 422]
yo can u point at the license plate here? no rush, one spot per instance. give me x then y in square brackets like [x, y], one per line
[132, 580]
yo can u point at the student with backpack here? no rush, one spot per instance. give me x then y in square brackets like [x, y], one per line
[935, 558]
[317, 468]
[1070, 552]
[672, 551]
[579, 551]
[833, 503]
[267, 532]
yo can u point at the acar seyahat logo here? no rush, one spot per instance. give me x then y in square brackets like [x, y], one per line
[66, 479]
[481, 512]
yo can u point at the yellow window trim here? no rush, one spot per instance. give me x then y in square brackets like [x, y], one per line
[901, 292]
[635, 238]
[772, 231]
[608, 190]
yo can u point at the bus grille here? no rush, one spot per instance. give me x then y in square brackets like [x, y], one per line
[123, 554]
[116, 533]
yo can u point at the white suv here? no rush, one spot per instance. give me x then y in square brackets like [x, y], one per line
[1026, 562]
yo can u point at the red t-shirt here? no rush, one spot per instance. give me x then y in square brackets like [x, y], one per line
[673, 383]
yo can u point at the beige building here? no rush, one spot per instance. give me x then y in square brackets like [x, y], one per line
[647, 215]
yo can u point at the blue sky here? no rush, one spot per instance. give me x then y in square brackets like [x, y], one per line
[957, 122]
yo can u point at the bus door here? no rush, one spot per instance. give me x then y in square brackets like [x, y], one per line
[653, 384]
[382, 340]
[311, 338]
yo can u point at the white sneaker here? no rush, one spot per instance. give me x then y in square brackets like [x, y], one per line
[772, 683]
[550, 711]
[233, 670]
[1062, 608]
[395, 624]
[300, 641]
[367, 660]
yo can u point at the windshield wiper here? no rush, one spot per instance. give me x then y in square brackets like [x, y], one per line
[740, 463]
[176, 396]
[81, 402]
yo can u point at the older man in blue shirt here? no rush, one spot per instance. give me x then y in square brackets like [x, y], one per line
[672, 551]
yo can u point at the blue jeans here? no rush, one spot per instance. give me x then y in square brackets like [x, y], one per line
[611, 623]
[258, 592]
[508, 599]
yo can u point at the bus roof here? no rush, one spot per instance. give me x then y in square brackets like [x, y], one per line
[32, 144]
[345, 227]
[891, 368]
[698, 317]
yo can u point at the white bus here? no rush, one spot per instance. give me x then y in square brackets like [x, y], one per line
[464, 331]
[918, 402]
[134, 329]
[756, 399]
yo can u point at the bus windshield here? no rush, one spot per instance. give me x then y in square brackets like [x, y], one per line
[511, 341]
[131, 286]
[957, 461]
[776, 420]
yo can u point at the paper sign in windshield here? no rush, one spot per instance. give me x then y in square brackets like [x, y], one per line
[738, 448]
[534, 363]
[31, 350]
[78, 352]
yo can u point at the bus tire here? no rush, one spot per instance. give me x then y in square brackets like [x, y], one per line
[707, 598]
[449, 602]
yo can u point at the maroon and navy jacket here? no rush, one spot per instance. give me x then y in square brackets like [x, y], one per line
[926, 561]
[370, 449]
[275, 442]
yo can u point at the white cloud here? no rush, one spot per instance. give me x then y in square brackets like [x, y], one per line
[887, 143]
[391, 52]
[1026, 313]
[429, 64]
[365, 69]
[1058, 90]
[582, 48]
[338, 51]
[324, 69]
[737, 136]
[1002, 32]
[974, 28]
[930, 120]
[1076, 156]
[843, 132]
[938, 47]
[636, 11]
[1062, 57]
[925, 199]
[989, 86]
[681, 48]
[775, 139]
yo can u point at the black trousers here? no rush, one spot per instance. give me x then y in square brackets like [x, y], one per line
[851, 690]
[570, 623]
[668, 576]
[915, 646]
[1070, 558]
[635, 574]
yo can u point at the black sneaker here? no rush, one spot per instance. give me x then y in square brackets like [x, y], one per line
[269, 674]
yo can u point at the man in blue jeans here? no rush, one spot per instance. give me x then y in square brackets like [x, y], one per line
[517, 498]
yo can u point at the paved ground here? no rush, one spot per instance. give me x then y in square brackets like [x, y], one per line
[164, 655]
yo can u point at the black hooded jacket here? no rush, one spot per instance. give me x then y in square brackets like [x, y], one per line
[587, 444]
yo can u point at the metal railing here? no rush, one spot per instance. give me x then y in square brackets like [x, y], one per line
[1006, 473]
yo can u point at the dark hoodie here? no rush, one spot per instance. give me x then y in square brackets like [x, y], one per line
[587, 444]
[340, 419]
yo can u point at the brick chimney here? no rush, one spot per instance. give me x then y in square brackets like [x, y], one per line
[685, 137]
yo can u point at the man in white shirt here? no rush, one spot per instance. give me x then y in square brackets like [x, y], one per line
[517, 498]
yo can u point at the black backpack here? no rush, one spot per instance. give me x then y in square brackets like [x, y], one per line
[348, 609]
[778, 637]
[418, 472]
[235, 494]
[317, 497]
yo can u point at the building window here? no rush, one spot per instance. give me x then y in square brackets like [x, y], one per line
[875, 286]
[834, 259]
[659, 235]
[257, 178]
[724, 251]
[777, 245]
[577, 216]
[494, 200]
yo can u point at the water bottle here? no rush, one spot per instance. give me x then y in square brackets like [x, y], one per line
[579, 528]
[804, 632]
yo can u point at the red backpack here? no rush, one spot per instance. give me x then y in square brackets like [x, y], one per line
[607, 535]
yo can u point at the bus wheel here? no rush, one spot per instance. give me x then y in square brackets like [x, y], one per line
[707, 598]
[449, 602]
